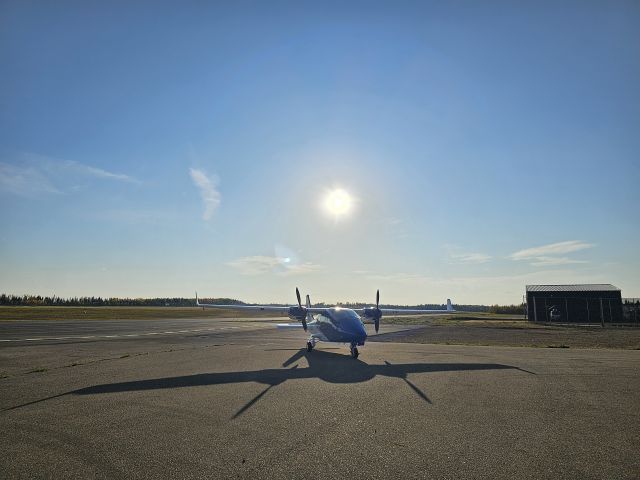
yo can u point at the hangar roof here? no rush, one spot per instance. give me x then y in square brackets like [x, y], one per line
[589, 287]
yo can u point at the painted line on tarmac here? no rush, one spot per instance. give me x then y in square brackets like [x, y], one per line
[124, 335]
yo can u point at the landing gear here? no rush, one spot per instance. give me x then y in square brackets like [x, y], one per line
[354, 351]
[311, 343]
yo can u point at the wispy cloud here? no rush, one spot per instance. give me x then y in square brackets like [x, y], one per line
[302, 268]
[29, 174]
[469, 257]
[255, 265]
[262, 264]
[547, 255]
[457, 255]
[362, 272]
[547, 261]
[208, 192]
[97, 172]
[551, 249]
[24, 181]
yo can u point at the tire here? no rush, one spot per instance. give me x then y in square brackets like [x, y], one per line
[309, 346]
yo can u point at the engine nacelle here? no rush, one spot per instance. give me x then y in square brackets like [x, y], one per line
[299, 314]
[371, 313]
[374, 314]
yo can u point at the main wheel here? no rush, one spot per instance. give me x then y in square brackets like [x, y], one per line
[309, 346]
[354, 352]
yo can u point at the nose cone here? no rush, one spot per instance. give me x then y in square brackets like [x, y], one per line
[358, 331]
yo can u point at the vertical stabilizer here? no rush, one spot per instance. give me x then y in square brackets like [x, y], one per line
[449, 306]
[309, 316]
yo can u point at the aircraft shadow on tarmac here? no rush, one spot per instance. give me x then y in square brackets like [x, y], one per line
[327, 366]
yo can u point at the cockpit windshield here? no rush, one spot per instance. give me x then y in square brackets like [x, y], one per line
[340, 314]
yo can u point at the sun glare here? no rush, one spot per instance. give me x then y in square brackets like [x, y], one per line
[338, 202]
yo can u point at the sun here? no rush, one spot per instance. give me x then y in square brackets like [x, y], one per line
[338, 202]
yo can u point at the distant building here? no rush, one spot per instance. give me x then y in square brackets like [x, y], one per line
[591, 303]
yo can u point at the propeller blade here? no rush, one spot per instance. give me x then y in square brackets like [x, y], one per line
[376, 320]
[303, 319]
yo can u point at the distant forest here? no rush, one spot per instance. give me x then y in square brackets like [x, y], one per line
[53, 301]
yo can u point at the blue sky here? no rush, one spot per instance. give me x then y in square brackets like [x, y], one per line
[156, 149]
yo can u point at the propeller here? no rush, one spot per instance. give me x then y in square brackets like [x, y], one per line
[376, 319]
[374, 313]
[303, 311]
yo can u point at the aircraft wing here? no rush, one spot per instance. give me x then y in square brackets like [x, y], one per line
[403, 311]
[406, 311]
[400, 311]
[254, 308]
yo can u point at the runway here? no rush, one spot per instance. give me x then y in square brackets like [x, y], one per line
[78, 330]
[241, 399]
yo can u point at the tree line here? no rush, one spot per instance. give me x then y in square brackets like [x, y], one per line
[54, 300]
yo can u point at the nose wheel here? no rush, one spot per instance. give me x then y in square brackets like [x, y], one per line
[311, 343]
[354, 351]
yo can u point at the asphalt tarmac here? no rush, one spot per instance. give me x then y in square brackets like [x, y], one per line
[241, 399]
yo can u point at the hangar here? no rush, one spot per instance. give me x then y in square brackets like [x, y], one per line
[590, 303]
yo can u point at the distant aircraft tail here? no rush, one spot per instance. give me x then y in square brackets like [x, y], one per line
[449, 306]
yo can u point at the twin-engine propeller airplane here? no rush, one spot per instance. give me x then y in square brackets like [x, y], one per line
[334, 324]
